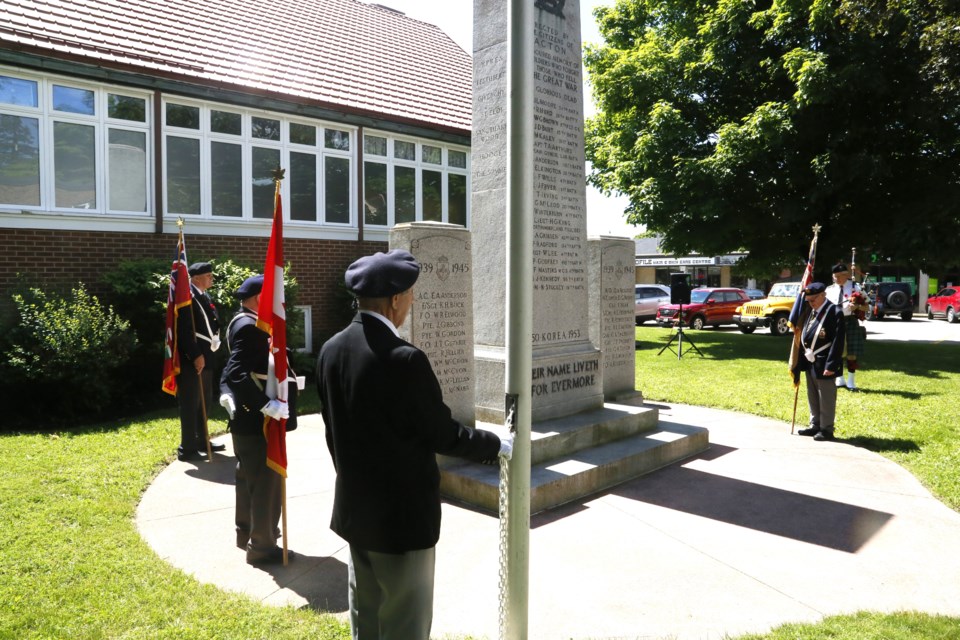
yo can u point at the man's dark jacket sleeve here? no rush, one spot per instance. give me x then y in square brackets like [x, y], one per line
[385, 422]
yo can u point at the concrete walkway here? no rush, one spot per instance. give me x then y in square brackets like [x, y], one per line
[762, 529]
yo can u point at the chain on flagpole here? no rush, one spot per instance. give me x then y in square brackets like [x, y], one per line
[504, 550]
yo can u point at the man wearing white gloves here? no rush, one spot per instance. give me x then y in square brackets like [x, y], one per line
[242, 385]
[385, 422]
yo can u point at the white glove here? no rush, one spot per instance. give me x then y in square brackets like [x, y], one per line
[276, 409]
[226, 401]
[506, 446]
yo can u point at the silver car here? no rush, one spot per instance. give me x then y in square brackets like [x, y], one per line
[649, 297]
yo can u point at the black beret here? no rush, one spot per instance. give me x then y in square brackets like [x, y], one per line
[840, 268]
[250, 287]
[814, 288]
[200, 268]
[382, 274]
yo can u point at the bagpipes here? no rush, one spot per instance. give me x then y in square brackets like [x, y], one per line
[859, 302]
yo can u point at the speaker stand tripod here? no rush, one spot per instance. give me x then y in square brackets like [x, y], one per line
[679, 335]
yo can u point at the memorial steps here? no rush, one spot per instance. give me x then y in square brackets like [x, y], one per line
[579, 455]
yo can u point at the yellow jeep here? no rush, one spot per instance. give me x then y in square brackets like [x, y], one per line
[773, 311]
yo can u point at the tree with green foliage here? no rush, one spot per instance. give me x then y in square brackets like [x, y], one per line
[739, 124]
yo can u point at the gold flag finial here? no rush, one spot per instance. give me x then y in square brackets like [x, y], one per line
[180, 222]
[816, 229]
[278, 174]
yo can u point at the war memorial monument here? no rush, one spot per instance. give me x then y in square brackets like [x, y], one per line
[590, 429]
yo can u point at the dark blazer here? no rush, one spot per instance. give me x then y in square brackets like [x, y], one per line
[385, 421]
[831, 333]
[193, 339]
[245, 373]
[244, 376]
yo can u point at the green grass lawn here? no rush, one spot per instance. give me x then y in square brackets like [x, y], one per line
[72, 564]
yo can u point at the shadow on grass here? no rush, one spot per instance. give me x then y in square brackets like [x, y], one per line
[880, 445]
[909, 395]
[88, 425]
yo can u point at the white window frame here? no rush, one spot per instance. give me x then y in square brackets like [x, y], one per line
[102, 124]
[307, 311]
[419, 166]
[248, 143]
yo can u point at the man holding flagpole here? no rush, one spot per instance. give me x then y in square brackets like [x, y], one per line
[257, 381]
[185, 365]
[197, 340]
[244, 384]
[821, 341]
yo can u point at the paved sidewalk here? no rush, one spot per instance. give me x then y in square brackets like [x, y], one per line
[763, 528]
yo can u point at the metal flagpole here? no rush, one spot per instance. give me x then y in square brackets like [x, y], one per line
[515, 531]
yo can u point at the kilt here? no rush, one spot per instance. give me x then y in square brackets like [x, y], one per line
[856, 337]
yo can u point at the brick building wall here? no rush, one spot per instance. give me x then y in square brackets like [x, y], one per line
[68, 257]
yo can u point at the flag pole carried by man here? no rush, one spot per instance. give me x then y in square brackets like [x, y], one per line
[178, 297]
[798, 315]
[272, 319]
[192, 335]
[262, 408]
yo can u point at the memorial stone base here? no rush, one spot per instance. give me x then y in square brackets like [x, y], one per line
[579, 455]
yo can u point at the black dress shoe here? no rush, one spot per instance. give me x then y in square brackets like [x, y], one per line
[217, 446]
[823, 435]
[185, 455]
[273, 556]
[811, 431]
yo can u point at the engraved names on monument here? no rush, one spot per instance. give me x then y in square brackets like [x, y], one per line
[441, 319]
[612, 318]
[566, 365]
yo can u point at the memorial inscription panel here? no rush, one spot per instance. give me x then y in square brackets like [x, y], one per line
[612, 319]
[441, 319]
[566, 365]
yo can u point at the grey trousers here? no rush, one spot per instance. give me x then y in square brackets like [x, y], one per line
[391, 595]
[258, 494]
[822, 400]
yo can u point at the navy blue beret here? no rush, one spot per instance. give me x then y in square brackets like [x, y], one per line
[200, 268]
[840, 268]
[250, 287]
[814, 288]
[382, 274]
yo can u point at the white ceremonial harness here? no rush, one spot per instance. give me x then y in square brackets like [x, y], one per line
[210, 337]
[810, 353]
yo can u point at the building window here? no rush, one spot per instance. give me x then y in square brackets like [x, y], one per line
[72, 146]
[220, 164]
[412, 180]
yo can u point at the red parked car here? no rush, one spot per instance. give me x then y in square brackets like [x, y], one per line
[946, 303]
[708, 306]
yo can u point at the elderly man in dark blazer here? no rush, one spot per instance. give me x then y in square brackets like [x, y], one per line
[385, 422]
[822, 360]
[197, 339]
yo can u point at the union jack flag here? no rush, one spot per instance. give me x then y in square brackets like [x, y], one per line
[178, 297]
